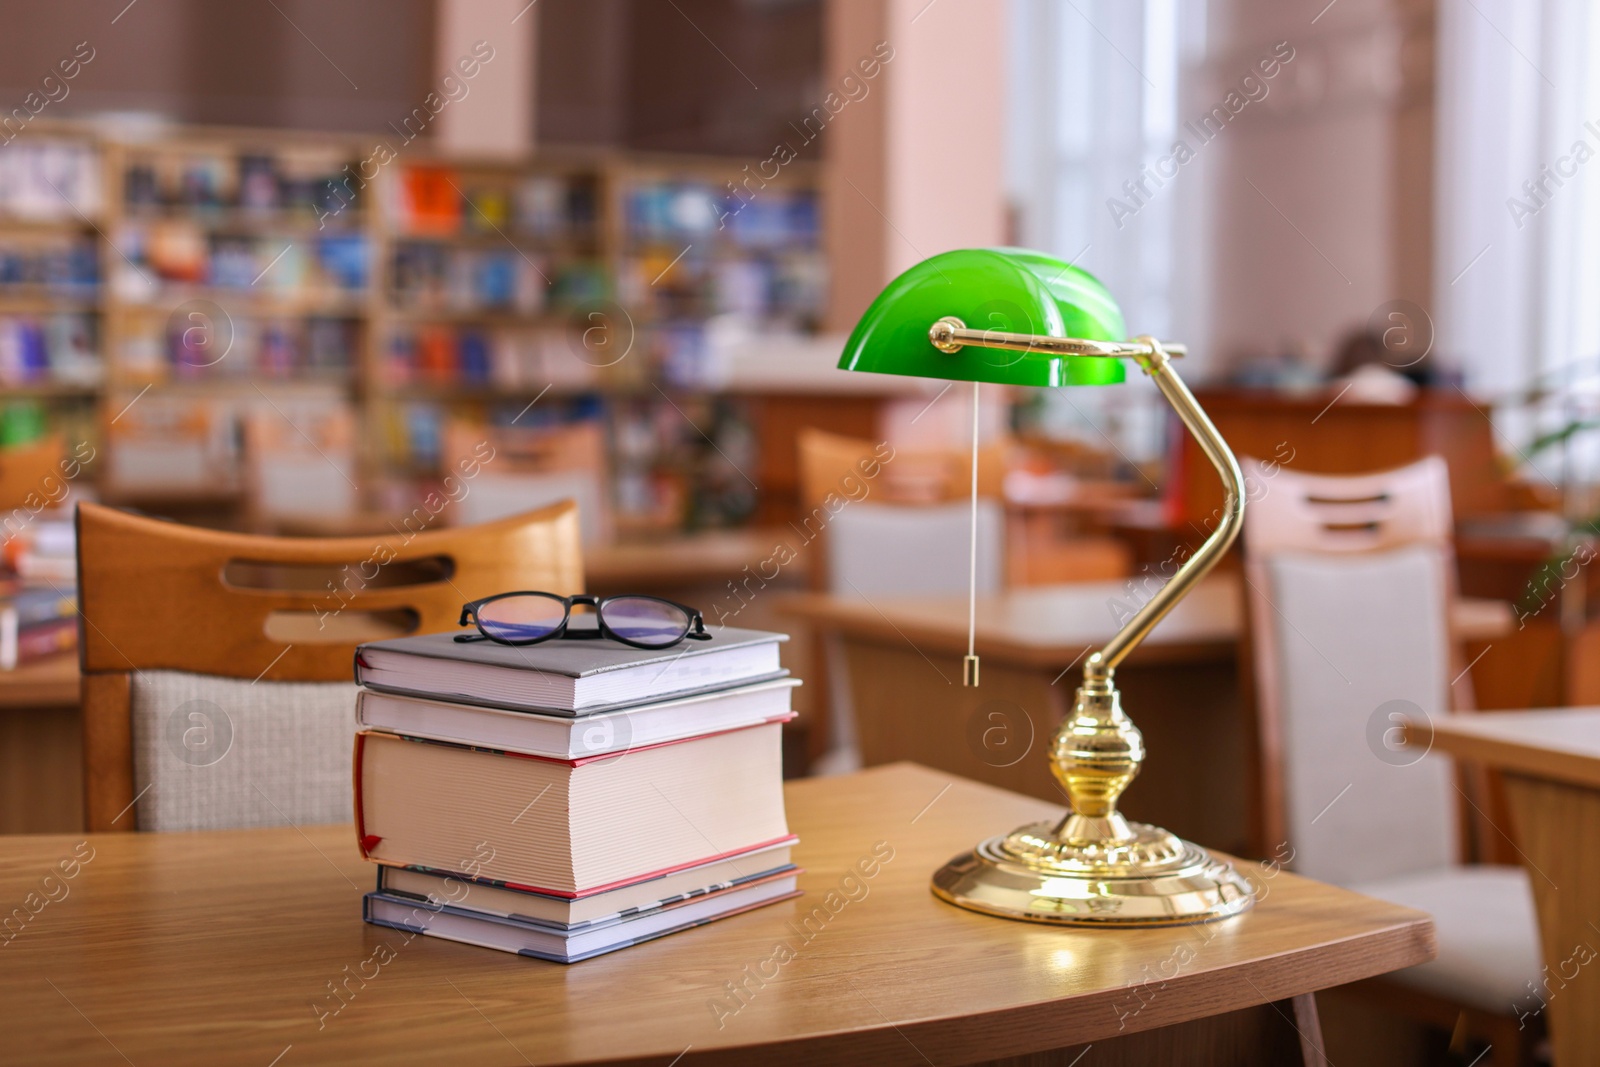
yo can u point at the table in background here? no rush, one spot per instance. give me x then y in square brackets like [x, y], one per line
[41, 748]
[219, 947]
[711, 558]
[1551, 764]
[1182, 687]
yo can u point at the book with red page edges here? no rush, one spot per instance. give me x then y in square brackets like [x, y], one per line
[555, 825]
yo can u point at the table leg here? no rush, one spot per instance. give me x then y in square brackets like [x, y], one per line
[1556, 827]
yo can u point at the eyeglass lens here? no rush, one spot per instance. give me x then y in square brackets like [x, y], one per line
[521, 618]
[649, 622]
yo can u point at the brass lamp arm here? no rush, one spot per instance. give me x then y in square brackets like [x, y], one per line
[1154, 361]
[950, 334]
[1095, 867]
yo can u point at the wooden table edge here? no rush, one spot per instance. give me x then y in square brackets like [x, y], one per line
[1092, 1018]
[48, 683]
[863, 623]
[1524, 757]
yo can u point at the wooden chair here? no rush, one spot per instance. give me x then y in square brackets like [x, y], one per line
[1351, 582]
[178, 614]
[865, 472]
[300, 464]
[529, 466]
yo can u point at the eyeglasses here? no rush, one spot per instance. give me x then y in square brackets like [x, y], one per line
[527, 618]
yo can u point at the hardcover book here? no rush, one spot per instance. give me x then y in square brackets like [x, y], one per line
[569, 827]
[594, 734]
[565, 676]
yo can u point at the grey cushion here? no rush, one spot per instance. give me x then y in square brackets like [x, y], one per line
[220, 753]
[1488, 935]
[1361, 638]
[894, 549]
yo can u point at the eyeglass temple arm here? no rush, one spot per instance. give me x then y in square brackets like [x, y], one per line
[951, 335]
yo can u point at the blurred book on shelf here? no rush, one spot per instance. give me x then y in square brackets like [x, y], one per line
[60, 349]
[205, 343]
[38, 585]
[446, 201]
[51, 179]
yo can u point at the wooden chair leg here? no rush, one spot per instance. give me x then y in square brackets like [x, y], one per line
[1511, 1043]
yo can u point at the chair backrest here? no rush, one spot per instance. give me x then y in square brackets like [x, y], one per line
[185, 629]
[889, 549]
[857, 471]
[300, 470]
[1351, 584]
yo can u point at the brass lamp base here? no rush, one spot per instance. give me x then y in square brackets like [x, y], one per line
[1095, 867]
[1156, 879]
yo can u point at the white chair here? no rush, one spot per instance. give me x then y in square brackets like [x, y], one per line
[892, 549]
[1351, 582]
[520, 469]
[874, 550]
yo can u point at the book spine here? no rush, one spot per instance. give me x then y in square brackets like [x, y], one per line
[45, 639]
[34, 609]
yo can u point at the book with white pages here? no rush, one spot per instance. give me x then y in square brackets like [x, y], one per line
[559, 737]
[512, 901]
[524, 939]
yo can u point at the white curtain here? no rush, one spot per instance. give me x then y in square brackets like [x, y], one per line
[1094, 104]
[1517, 224]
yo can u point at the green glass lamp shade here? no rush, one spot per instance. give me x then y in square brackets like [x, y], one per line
[1014, 290]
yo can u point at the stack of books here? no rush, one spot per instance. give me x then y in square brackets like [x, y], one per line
[570, 798]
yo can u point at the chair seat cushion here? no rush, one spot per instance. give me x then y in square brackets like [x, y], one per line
[1488, 935]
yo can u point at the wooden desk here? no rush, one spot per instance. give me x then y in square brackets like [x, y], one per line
[704, 559]
[1181, 686]
[212, 948]
[1551, 763]
[49, 683]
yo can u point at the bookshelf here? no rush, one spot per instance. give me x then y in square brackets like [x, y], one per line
[197, 290]
[51, 291]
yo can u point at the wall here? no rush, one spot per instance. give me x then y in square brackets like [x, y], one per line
[916, 165]
[724, 77]
[354, 65]
[1320, 201]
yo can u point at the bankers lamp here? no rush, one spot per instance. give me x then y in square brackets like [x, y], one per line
[1018, 317]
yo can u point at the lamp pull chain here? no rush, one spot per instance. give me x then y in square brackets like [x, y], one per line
[969, 665]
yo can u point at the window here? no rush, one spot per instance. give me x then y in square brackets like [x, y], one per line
[1093, 177]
